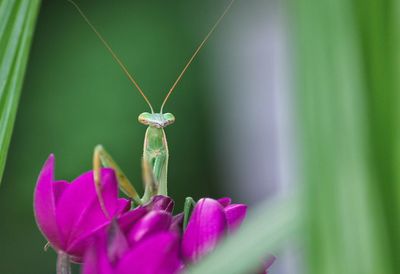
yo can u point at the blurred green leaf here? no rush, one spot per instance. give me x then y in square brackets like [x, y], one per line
[346, 106]
[378, 22]
[268, 227]
[17, 20]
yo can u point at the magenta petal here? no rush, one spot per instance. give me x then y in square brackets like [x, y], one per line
[225, 201]
[58, 189]
[128, 219]
[117, 243]
[177, 223]
[96, 258]
[205, 228]
[157, 254]
[235, 215]
[78, 211]
[78, 246]
[45, 206]
[123, 206]
[153, 222]
[160, 202]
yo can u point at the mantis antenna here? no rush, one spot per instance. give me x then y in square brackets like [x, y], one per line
[123, 67]
[195, 54]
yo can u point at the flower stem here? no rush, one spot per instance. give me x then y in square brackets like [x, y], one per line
[63, 263]
[189, 204]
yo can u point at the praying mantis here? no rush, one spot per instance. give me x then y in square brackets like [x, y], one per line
[155, 148]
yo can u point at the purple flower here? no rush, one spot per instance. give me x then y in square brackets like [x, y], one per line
[149, 246]
[149, 240]
[145, 240]
[69, 214]
[210, 221]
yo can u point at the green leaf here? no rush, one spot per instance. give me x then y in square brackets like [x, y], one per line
[268, 227]
[346, 106]
[17, 21]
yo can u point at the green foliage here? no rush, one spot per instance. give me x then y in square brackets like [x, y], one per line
[17, 20]
[349, 104]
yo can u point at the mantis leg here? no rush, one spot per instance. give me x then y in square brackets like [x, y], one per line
[102, 158]
[150, 183]
[160, 172]
[189, 203]
[154, 175]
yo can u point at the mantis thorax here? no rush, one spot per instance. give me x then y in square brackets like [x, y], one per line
[157, 120]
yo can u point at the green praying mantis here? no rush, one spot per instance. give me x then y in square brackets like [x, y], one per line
[155, 148]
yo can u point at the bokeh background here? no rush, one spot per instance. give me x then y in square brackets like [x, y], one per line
[288, 97]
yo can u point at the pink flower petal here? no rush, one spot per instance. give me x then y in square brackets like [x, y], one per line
[207, 225]
[225, 201]
[153, 222]
[96, 258]
[123, 206]
[117, 243]
[79, 245]
[127, 220]
[177, 223]
[78, 212]
[59, 188]
[160, 202]
[157, 254]
[235, 215]
[44, 204]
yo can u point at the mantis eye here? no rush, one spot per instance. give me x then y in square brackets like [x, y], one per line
[145, 118]
[169, 118]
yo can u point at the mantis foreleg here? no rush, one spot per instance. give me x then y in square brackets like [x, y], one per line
[160, 171]
[149, 181]
[102, 158]
[154, 176]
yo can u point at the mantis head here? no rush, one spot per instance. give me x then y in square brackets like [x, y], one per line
[157, 120]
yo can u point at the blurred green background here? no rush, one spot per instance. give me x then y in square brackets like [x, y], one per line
[339, 77]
